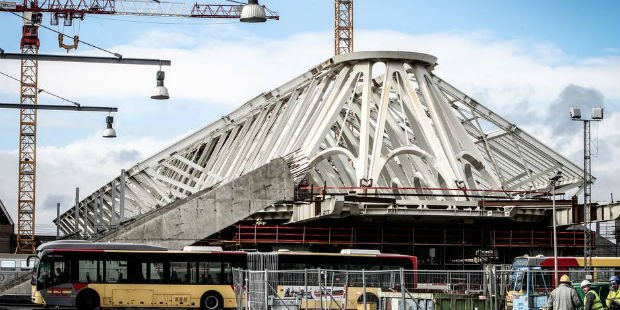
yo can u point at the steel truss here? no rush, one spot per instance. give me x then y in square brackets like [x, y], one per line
[376, 119]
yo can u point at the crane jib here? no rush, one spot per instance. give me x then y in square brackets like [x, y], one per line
[77, 9]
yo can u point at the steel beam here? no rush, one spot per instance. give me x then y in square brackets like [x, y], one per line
[57, 107]
[86, 59]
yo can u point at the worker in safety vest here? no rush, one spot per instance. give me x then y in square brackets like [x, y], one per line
[591, 300]
[563, 297]
[613, 298]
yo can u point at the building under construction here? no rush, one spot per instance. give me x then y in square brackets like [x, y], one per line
[365, 150]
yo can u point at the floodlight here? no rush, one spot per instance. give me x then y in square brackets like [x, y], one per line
[109, 132]
[575, 113]
[597, 113]
[253, 13]
[160, 92]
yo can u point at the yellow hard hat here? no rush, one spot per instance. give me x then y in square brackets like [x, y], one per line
[564, 279]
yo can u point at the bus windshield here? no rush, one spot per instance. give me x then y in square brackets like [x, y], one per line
[53, 269]
[519, 266]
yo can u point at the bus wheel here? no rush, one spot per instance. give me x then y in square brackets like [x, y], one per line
[211, 301]
[87, 300]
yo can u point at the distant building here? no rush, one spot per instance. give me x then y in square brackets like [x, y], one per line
[6, 231]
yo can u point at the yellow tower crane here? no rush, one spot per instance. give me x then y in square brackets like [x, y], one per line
[31, 12]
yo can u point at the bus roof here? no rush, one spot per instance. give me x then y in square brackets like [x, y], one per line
[547, 261]
[578, 262]
[76, 245]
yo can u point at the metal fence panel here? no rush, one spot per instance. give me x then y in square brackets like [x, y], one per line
[491, 288]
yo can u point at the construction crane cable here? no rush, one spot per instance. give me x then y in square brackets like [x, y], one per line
[68, 36]
[41, 90]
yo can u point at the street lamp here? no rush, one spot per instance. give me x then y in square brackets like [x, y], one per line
[160, 92]
[109, 131]
[553, 182]
[597, 115]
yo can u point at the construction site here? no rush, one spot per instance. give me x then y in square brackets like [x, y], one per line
[365, 150]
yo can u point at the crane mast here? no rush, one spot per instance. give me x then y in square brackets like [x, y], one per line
[343, 27]
[68, 10]
[27, 135]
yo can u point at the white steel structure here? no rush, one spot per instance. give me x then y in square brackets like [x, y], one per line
[380, 120]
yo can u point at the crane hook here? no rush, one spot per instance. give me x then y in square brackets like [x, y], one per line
[76, 41]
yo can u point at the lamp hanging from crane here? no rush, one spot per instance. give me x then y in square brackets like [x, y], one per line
[160, 92]
[253, 13]
[109, 132]
[31, 12]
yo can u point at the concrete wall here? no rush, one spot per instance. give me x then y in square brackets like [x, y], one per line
[205, 213]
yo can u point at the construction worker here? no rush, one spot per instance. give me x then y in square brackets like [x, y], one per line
[613, 298]
[591, 300]
[563, 297]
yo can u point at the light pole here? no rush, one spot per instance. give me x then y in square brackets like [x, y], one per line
[553, 181]
[597, 115]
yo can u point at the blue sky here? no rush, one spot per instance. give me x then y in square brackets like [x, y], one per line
[518, 57]
[578, 27]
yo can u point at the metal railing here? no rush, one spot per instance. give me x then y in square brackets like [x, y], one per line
[327, 289]
[495, 287]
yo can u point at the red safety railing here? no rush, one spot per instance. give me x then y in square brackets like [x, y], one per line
[276, 234]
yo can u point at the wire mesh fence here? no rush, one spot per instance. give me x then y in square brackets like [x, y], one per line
[342, 289]
[491, 288]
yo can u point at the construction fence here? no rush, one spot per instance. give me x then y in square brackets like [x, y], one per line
[492, 288]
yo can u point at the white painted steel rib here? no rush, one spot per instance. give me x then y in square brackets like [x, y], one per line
[504, 124]
[379, 132]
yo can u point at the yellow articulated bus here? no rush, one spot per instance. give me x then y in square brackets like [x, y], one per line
[110, 275]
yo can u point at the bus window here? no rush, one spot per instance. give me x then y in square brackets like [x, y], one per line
[210, 272]
[541, 281]
[576, 274]
[179, 272]
[226, 276]
[116, 271]
[88, 271]
[517, 278]
[193, 274]
[61, 271]
[603, 274]
[156, 272]
[44, 272]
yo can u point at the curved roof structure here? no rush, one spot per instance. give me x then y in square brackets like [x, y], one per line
[374, 119]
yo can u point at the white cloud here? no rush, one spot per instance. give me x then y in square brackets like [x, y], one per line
[230, 66]
[88, 164]
[503, 74]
